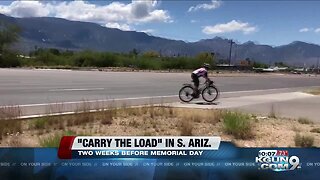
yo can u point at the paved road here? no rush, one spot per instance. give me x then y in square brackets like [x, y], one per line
[19, 86]
[295, 108]
[285, 104]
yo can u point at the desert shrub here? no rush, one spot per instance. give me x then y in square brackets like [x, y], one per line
[315, 130]
[237, 124]
[304, 121]
[54, 140]
[10, 126]
[303, 140]
[186, 128]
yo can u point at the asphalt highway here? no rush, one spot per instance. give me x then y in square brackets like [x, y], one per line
[27, 86]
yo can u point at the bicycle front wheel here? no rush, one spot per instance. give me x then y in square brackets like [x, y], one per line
[186, 93]
[210, 93]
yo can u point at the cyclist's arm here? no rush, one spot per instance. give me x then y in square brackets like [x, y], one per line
[206, 76]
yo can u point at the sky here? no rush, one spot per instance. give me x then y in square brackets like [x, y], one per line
[263, 22]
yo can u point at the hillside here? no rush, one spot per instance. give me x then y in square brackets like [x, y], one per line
[48, 32]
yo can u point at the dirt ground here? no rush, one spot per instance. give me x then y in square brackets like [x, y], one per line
[159, 121]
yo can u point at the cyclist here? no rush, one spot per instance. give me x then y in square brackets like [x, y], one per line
[201, 72]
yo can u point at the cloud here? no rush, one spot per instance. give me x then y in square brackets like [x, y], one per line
[213, 5]
[141, 9]
[114, 14]
[123, 27]
[305, 30]
[148, 31]
[193, 21]
[25, 9]
[231, 26]
[315, 30]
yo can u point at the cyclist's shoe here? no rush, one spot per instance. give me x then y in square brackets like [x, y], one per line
[196, 94]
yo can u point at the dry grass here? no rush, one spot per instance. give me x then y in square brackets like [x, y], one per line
[83, 115]
[214, 117]
[9, 127]
[295, 129]
[200, 116]
[186, 127]
[272, 113]
[170, 113]
[152, 112]
[82, 119]
[55, 108]
[315, 91]
[134, 123]
[107, 116]
[10, 112]
[147, 133]
[155, 121]
[15, 142]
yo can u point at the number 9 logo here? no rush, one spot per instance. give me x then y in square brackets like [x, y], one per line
[294, 161]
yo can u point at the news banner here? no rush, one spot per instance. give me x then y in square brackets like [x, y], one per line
[155, 157]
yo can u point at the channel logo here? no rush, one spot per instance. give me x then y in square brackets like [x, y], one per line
[277, 160]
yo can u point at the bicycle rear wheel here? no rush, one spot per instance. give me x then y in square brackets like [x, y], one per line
[210, 93]
[186, 93]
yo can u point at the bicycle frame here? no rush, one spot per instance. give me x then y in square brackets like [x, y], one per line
[201, 86]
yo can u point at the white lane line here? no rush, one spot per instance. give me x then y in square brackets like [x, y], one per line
[88, 89]
[266, 90]
[262, 90]
[258, 90]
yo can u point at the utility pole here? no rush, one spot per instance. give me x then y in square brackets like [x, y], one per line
[235, 52]
[231, 42]
[212, 56]
[318, 66]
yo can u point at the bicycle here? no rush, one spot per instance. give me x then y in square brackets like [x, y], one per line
[208, 91]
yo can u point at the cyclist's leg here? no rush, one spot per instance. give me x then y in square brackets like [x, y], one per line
[196, 83]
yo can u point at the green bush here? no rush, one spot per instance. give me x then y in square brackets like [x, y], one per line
[54, 140]
[237, 124]
[40, 123]
[9, 59]
[149, 60]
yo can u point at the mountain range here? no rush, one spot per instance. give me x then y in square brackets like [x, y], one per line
[49, 32]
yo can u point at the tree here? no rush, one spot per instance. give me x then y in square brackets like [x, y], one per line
[54, 51]
[280, 64]
[259, 65]
[134, 52]
[205, 57]
[9, 34]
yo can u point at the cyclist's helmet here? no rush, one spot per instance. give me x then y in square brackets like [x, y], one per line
[206, 66]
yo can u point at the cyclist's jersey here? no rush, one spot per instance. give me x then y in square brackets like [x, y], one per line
[201, 72]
